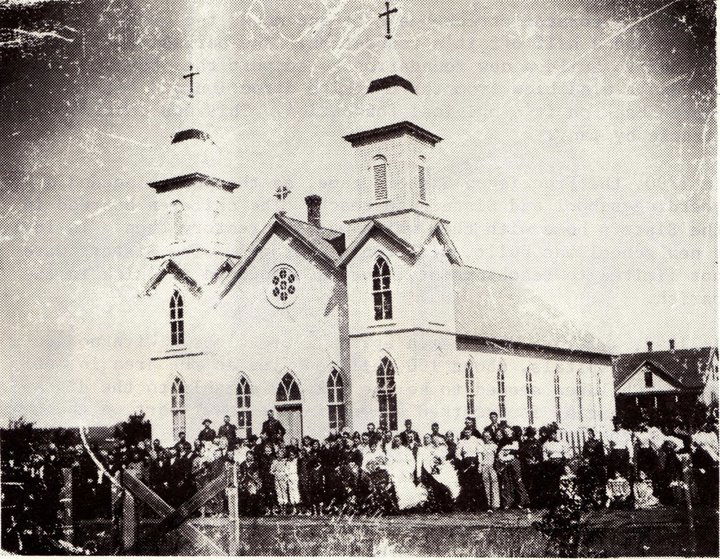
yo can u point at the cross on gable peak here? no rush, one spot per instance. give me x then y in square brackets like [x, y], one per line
[190, 75]
[386, 14]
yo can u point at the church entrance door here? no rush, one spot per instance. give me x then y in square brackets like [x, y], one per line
[289, 406]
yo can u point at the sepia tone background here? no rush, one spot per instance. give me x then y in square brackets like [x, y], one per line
[579, 156]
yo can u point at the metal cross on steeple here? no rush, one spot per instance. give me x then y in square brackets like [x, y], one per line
[190, 75]
[388, 12]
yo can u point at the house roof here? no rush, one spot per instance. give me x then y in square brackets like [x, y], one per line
[324, 243]
[685, 368]
[171, 267]
[495, 306]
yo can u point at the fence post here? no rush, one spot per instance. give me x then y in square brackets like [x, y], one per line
[233, 513]
[688, 493]
[66, 502]
[128, 519]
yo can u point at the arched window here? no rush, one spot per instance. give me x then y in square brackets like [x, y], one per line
[379, 167]
[422, 178]
[288, 389]
[177, 406]
[177, 210]
[501, 391]
[556, 382]
[336, 400]
[387, 398]
[177, 320]
[244, 413]
[382, 294]
[598, 390]
[470, 387]
[529, 392]
[579, 388]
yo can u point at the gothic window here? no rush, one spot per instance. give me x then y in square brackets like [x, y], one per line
[177, 211]
[387, 398]
[501, 391]
[529, 392]
[382, 294]
[282, 289]
[556, 382]
[421, 179]
[288, 389]
[598, 389]
[336, 400]
[578, 386]
[244, 412]
[177, 320]
[470, 388]
[379, 167]
[177, 406]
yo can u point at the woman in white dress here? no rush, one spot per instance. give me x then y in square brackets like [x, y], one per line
[444, 471]
[401, 468]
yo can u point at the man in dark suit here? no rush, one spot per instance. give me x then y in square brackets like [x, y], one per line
[409, 437]
[470, 425]
[494, 427]
[207, 433]
[229, 432]
[272, 429]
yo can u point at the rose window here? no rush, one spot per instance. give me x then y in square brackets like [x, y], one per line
[283, 286]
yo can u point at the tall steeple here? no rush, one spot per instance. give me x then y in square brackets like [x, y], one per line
[393, 145]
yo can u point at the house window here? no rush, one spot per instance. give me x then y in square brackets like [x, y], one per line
[598, 389]
[283, 286]
[470, 388]
[177, 407]
[177, 210]
[288, 389]
[529, 393]
[244, 414]
[578, 386]
[387, 398]
[177, 320]
[421, 179]
[501, 391]
[336, 400]
[556, 382]
[648, 378]
[379, 166]
[382, 295]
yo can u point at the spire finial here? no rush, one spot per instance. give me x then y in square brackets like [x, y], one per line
[386, 14]
[190, 75]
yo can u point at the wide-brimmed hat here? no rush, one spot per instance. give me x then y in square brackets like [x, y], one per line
[207, 421]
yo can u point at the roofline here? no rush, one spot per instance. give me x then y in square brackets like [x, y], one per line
[667, 376]
[364, 235]
[535, 347]
[395, 213]
[403, 126]
[164, 185]
[171, 267]
[194, 250]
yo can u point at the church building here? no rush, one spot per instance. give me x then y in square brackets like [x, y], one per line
[378, 321]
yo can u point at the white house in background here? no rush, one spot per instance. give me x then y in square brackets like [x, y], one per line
[380, 322]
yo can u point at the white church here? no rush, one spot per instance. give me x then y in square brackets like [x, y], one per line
[378, 322]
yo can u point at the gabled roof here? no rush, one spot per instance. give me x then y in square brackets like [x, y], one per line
[438, 228]
[164, 185]
[324, 244]
[495, 306]
[685, 368]
[170, 267]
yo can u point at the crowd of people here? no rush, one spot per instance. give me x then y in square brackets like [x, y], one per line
[380, 472]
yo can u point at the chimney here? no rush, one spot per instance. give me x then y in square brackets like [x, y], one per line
[649, 345]
[313, 202]
[672, 344]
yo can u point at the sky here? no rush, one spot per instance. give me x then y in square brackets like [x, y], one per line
[579, 155]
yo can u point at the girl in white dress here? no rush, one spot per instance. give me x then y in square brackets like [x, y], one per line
[444, 471]
[401, 468]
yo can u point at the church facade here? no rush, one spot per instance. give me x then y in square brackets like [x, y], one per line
[380, 322]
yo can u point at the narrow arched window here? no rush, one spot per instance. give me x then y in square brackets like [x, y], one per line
[421, 179]
[336, 400]
[244, 413]
[177, 210]
[470, 388]
[529, 394]
[177, 320]
[579, 388]
[556, 383]
[288, 389]
[598, 390]
[387, 397]
[501, 391]
[177, 407]
[379, 169]
[382, 294]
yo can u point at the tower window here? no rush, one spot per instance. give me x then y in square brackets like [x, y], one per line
[336, 400]
[177, 320]
[177, 211]
[421, 179]
[379, 167]
[382, 294]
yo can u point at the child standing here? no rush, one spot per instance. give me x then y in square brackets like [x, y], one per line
[279, 472]
[292, 479]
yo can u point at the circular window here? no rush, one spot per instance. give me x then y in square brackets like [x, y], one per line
[283, 286]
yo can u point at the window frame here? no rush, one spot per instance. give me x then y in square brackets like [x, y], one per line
[579, 391]
[336, 400]
[378, 164]
[501, 392]
[529, 396]
[649, 381]
[387, 393]
[177, 210]
[557, 390]
[288, 390]
[470, 387]
[382, 293]
[422, 179]
[178, 406]
[243, 391]
[177, 319]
